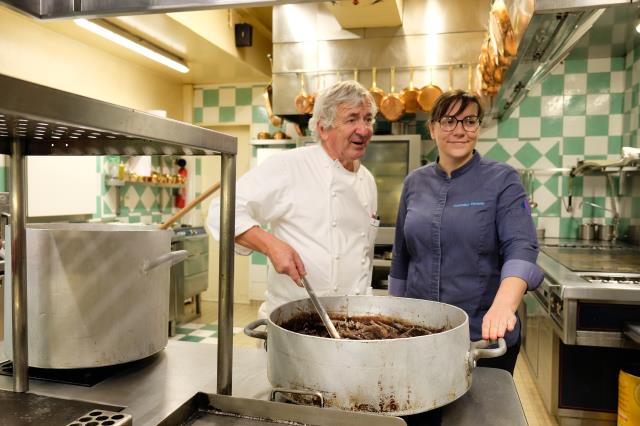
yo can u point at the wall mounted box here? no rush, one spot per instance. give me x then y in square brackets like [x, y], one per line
[244, 33]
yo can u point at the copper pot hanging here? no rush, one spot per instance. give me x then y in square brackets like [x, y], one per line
[429, 94]
[268, 99]
[376, 92]
[392, 106]
[303, 102]
[410, 96]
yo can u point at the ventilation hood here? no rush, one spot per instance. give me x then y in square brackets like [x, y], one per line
[311, 46]
[555, 28]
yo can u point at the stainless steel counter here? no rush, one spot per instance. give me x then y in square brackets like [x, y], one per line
[184, 368]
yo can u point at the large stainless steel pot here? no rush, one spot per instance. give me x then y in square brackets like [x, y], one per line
[399, 377]
[98, 294]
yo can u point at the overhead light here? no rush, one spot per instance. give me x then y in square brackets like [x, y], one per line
[637, 23]
[125, 39]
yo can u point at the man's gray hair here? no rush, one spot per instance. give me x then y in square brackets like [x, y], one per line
[325, 108]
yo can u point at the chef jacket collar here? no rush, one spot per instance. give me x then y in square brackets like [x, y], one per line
[459, 171]
[330, 161]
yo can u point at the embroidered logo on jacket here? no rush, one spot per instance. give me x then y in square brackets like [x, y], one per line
[469, 204]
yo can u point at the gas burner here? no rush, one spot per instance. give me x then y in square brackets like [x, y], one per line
[595, 278]
[586, 245]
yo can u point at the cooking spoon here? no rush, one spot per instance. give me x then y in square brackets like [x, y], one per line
[320, 309]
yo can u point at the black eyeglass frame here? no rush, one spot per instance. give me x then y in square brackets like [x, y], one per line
[464, 127]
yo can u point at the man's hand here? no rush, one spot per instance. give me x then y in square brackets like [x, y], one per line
[501, 317]
[284, 258]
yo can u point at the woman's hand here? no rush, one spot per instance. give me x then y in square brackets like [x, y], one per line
[501, 316]
[497, 321]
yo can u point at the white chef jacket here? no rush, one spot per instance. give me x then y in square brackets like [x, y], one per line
[325, 212]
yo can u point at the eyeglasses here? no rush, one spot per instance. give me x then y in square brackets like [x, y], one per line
[449, 123]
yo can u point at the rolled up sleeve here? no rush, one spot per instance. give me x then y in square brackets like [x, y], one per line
[517, 235]
[529, 272]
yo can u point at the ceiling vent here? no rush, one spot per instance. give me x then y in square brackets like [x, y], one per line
[367, 13]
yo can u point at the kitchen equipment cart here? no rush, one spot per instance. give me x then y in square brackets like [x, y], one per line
[38, 120]
[155, 393]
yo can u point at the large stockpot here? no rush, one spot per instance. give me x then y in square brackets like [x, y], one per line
[97, 294]
[396, 377]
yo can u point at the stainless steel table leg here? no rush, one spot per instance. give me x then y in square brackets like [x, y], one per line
[19, 267]
[225, 311]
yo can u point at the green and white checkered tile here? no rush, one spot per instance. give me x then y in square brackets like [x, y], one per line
[199, 333]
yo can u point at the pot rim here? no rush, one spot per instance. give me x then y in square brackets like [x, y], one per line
[464, 323]
[94, 227]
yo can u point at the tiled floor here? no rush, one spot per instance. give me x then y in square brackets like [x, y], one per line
[204, 330]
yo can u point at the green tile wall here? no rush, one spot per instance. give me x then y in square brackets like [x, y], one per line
[234, 105]
[587, 109]
[139, 202]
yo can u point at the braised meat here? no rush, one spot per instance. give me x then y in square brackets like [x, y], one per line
[374, 327]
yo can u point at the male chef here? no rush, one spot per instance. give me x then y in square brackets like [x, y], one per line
[318, 203]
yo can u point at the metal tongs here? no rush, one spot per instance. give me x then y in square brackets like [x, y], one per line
[320, 309]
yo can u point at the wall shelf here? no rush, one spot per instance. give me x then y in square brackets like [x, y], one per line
[119, 182]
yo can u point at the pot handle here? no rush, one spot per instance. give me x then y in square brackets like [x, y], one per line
[250, 329]
[172, 257]
[314, 394]
[478, 350]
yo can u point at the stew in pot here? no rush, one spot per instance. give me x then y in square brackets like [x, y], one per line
[375, 327]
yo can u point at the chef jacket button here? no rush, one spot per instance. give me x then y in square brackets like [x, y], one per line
[333, 193]
[365, 204]
[363, 260]
[363, 234]
[334, 223]
[357, 291]
[336, 257]
[335, 288]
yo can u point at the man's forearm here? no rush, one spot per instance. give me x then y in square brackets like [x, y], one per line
[255, 238]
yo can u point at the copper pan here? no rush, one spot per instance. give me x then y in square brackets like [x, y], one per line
[376, 92]
[273, 119]
[410, 96]
[302, 101]
[392, 106]
[429, 94]
[268, 96]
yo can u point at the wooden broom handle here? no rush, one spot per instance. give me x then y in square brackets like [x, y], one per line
[213, 188]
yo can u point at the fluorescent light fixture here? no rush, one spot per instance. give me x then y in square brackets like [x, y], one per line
[637, 22]
[124, 39]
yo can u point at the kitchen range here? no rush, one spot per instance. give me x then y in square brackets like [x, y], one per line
[582, 325]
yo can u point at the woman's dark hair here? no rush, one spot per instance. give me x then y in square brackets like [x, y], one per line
[444, 102]
[181, 162]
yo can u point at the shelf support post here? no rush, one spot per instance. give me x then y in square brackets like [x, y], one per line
[225, 308]
[19, 267]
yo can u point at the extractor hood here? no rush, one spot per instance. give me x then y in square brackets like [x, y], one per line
[554, 29]
[438, 40]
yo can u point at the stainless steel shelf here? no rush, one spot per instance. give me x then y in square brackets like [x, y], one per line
[53, 122]
[39, 120]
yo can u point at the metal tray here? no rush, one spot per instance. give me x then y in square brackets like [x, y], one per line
[213, 409]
